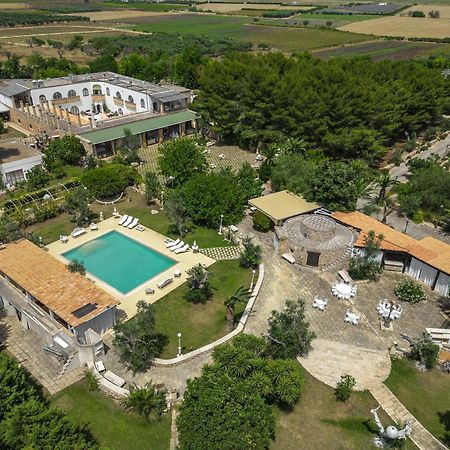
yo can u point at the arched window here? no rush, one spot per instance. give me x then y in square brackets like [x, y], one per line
[42, 98]
[107, 91]
[120, 111]
[75, 110]
[142, 103]
[130, 99]
[118, 95]
[57, 95]
[96, 89]
[71, 93]
[85, 92]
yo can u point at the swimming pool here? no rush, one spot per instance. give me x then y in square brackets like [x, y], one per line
[120, 261]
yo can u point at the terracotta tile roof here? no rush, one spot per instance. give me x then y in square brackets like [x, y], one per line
[49, 281]
[429, 250]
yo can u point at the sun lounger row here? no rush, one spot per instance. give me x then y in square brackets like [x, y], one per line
[176, 246]
[128, 221]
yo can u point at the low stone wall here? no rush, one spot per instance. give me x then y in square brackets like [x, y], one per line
[240, 327]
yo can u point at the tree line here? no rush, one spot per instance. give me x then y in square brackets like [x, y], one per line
[11, 19]
[348, 109]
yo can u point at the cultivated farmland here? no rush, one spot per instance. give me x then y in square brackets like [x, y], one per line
[231, 7]
[443, 10]
[402, 27]
[119, 14]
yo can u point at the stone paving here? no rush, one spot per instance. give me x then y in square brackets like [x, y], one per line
[395, 409]
[217, 157]
[222, 253]
[26, 346]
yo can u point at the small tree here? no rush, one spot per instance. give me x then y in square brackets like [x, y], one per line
[251, 255]
[365, 266]
[152, 186]
[2, 127]
[146, 400]
[176, 211]
[305, 22]
[261, 222]
[136, 340]
[129, 146]
[289, 335]
[329, 23]
[344, 388]
[77, 205]
[426, 352]
[409, 291]
[37, 178]
[77, 266]
[198, 287]
[240, 296]
[249, 182]
[91, 380]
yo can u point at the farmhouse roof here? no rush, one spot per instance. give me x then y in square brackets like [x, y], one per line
[282, 205]
[47, 279]
[429, 250]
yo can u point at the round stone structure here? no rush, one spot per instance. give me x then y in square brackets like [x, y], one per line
[314, 240]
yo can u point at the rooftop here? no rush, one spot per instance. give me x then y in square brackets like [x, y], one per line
[15, 150]
[48, 280]
[429, 250]
[137, 126]
[282, 205]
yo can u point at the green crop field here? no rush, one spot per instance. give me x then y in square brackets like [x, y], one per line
[344, 17]
[241, 28]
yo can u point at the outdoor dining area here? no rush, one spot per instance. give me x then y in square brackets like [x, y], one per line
[343, 291]
[389, 311]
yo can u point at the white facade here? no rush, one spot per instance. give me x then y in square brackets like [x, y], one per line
[16, 171]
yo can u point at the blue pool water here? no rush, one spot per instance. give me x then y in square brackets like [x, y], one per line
[120, 261]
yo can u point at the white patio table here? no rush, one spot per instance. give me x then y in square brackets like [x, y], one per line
[342, 290]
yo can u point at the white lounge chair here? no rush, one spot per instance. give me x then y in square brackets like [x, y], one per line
[93, 226]
[183, 249]
[123, 219]
[134, 222]
[128, 221]
[172, 243]
[176, 247]
[64, 239]
[77, 232]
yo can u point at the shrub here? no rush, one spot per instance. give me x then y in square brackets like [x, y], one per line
[344, 388]
[109, 181]
[199, 288]
[409, 291]
[67, 150]
[91, 380]
[426, 352]
[261, 222]
[37, 178]
[417, 14]
[251, 254]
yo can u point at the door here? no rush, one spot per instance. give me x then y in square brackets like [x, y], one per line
[313, 259]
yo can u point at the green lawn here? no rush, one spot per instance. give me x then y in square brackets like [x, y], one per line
[242, 29]
[425, 394]
[133, 204]
[113, 427]
[319, 422]
[200, 324]
[11, 133]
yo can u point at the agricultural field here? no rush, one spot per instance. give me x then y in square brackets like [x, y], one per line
[444, 10]
[380, 50]
[13, 6]
[98, 16]
[233, 7]
[397, 26]
[240, 28]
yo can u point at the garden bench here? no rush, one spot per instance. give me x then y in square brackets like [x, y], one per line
[114, 379]
[164, 283]
[345, 276]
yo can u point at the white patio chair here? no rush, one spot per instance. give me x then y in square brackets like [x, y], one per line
[123, 219]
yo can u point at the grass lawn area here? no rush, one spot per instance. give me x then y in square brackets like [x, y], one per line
[319, 422]
[425, 394]
[112, 426]
[242, 29]
[133, 204]
[11, 133]
[200, 324]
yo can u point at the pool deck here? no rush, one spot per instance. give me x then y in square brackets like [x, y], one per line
[148, 237]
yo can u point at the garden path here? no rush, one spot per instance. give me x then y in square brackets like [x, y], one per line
[395, 409]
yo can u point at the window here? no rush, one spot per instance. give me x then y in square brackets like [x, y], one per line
[120, 111]
[75, 110]
[155, 107]
[85, 92]
[142, 103]
[107, 91]
[42, 98]
[118, 95]
[71, 93]
[130, 99]
[57, 95]
[14, 177]
[96, 89]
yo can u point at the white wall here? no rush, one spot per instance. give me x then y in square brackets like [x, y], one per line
[100, 324]
[85, 103]
[25, 164]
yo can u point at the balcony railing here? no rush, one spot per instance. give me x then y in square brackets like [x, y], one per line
[118, 101]
[62, 101]
[130, 105]
[98, 98]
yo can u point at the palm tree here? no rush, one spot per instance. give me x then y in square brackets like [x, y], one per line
[384, 183]
[146, 399]
[240, 296]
